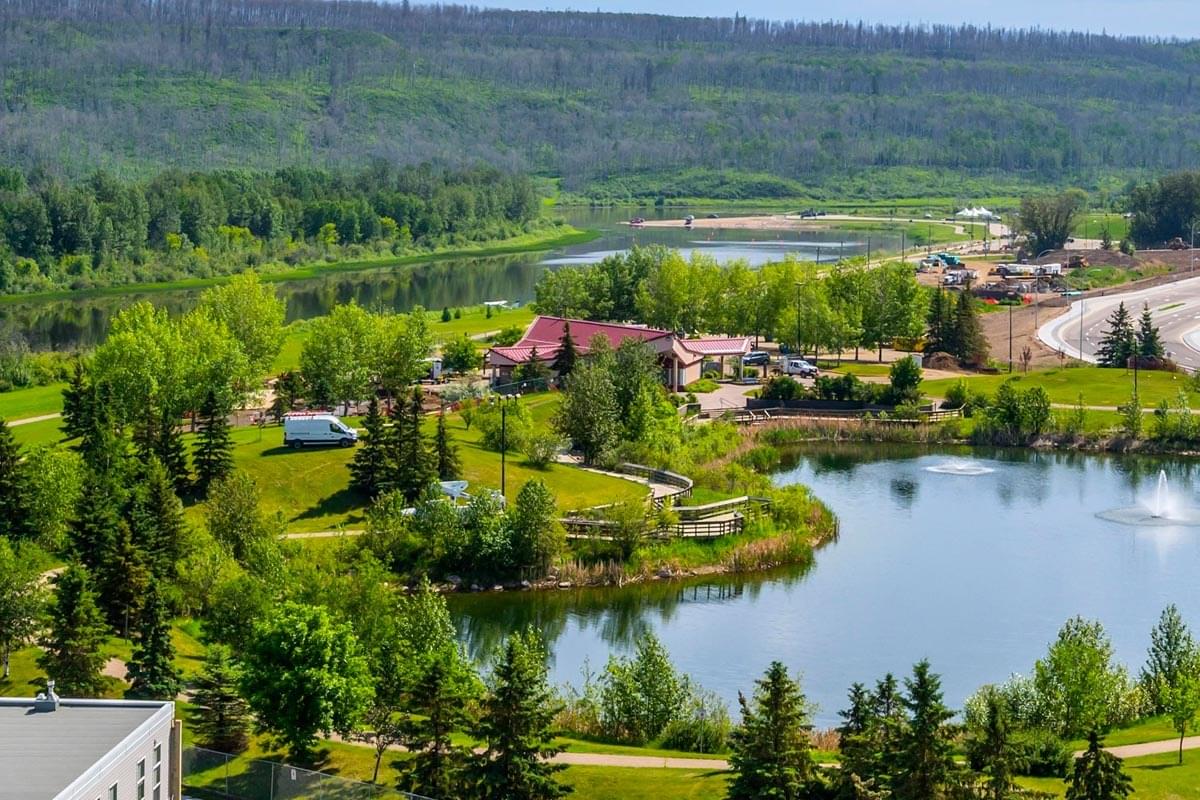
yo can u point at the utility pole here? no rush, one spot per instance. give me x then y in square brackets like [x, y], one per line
[1081, 330]
[1010, 354]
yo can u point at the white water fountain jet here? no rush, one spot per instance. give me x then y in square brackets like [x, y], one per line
[1158, 509]
[959, 466]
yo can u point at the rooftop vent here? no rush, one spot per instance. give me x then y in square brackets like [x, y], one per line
[47, 700]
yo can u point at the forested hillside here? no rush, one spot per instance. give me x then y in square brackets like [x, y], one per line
[132, 85]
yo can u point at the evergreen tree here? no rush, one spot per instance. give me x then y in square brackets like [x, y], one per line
[1098, 774]
[1117, 344]
[222, 720]
[411, 462]
[95, 521]
[214, 448]
[122, 578]
[567, 357]
[76, 397]
[171, 453]
[158, 523]
[1149, 342]
[515, 727]
[771, 755]
[72, 655]
[994, 747]
[859, 743]
[926, 761]
[970, 345]
[441, 700]
[370, 467]
[446, 453]
[1106, 242]
[446, 314]
[151, 670]
[940, 336]
[14, 488]
[532, 371]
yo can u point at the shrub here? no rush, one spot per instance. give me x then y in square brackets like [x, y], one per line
[540, 448]
[957, 395]
[782, 388]
[702, 728]
[711, 375]
[1041, 754]
[494, 429]
[508, 336]
[702, 385]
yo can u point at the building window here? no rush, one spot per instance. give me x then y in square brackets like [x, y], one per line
[157, 753]
[157, 775]
[157, 796]
[141, 769]
[112, 792]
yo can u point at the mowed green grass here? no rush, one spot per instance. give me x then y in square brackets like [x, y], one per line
[310, 487]
[32, 402]
[1099, 386]
[1156, 777]
[48, 431]
[1091, 226]
[633, 783]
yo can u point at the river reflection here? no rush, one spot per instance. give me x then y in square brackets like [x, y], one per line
[975, 572]
[82, 323]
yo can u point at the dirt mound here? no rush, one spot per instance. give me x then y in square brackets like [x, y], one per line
[940, 360]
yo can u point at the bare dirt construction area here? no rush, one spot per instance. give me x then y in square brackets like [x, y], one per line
[793, 222]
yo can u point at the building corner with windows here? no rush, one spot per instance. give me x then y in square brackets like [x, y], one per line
[54, 748]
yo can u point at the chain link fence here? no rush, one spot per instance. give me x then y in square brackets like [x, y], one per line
[213, 775]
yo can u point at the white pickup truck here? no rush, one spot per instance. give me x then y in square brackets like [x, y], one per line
[798, 366]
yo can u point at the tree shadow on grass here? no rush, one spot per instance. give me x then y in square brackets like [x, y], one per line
[341, 503]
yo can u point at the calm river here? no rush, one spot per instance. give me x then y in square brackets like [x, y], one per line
[976, 573]
[66, 324]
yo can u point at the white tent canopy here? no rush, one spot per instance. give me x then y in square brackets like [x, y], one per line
[976, 213]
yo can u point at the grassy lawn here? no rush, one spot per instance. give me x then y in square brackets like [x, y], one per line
[1153, 729]
[859, 368]
[597, 783]
[32, 402]
[1091, 225]
[1156, 777]
[1099, 386]
[48, 431]
[311, 487]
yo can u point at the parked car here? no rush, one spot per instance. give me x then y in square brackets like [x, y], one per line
[301, 429]
[756, 358]
[714, 216]
[930, 263]
[798, 366]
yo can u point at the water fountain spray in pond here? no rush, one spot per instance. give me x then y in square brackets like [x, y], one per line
[958, 466]
[1160, 508]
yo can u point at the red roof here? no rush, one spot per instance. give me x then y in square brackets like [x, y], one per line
[545, 333]
[718, 346]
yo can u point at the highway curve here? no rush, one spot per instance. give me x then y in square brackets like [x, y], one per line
[1175, 308]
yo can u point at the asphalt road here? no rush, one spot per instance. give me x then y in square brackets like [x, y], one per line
[1175, 308]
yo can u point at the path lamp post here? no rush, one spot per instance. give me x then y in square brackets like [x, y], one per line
[1037, 282]
[1192, 245]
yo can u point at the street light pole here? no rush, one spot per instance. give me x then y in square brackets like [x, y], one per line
[1081, 330]
[503, 443]
[1010, 358]
[1192, 246]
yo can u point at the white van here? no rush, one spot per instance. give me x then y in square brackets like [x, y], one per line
[305, 429]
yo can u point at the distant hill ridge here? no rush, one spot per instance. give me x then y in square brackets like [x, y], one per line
[613, 104]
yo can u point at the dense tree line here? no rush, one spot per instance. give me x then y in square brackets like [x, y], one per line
[105, 230]
[847, 308]
[814, 102]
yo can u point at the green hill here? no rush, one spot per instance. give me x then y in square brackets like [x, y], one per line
[615, 105]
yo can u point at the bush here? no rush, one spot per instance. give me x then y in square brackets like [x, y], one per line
[493, 429]
[957, 395]
[711, 375]
[703, 728]
[702, 385]
[845, 387]
[1041, 754]
[508, 336]
[541, 448]
[782, 388]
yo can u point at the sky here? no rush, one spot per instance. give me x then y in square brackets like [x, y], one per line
[1169, 18]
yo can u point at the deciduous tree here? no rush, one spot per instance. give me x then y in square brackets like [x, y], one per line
[22, 598]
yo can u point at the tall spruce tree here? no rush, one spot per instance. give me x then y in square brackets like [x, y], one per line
[214, 448]
[567, 356]
[94, 524]
[14, 488]
[76, 397]
[940, 324]
[445, 452]
[122, 579]
[370, 467]
[1149, 341]
[772, 753]
[411, 462]
[860, 744]
[157, 521]
[441, 699]
[171, 452]
[1117, 345]
[926, 759]
[222, 719]
[515, 727]
[72, 643]
[1098, 774]
[151, 671]
[970, 345]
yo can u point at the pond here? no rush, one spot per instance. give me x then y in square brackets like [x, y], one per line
[82, 323]
[974, 568]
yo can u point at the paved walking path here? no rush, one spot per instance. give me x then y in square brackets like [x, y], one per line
[1152, 748]
[323, 534]
[30, 420]
[640, 762]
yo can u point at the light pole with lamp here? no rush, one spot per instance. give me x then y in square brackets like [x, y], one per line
[1037, 283]
[1192, 245]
